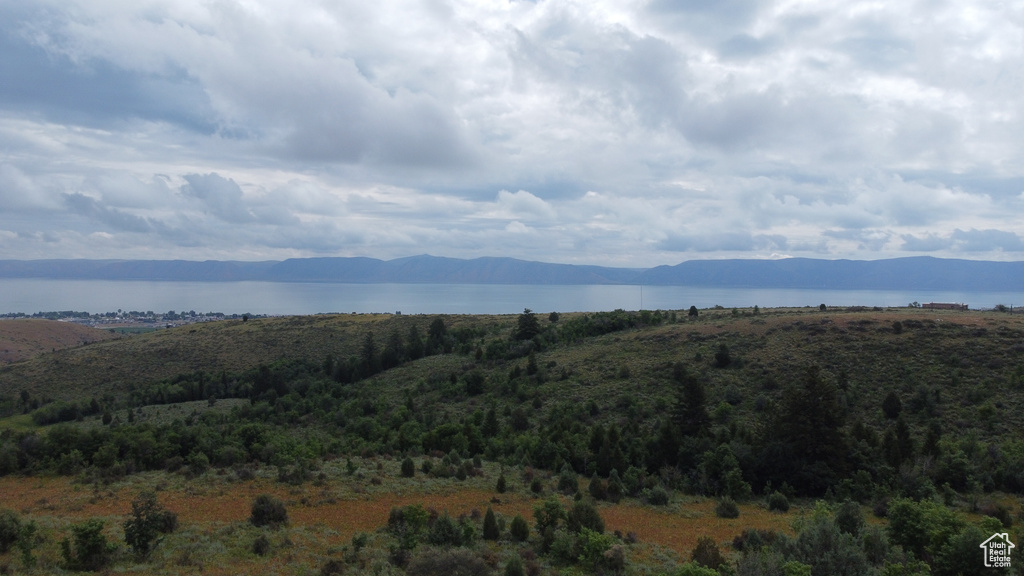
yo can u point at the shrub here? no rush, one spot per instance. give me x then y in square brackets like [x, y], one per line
[519, 529]
[408, 468]
[491, 531]
[88, 549]
[657, 496]
[777, 502]
[567, 482]
[826, 550]
[598, 488]
[891, 405]
[445, 532]
[514, 567]
[10, 528]
[536, 486]
[332, 568]
[457, 562]
[849, 518]
[149, 519]
[616, 490]
[722, 356]
[268, 511]
[727, 508]
[694, 569]
[563, 547]
[548, 514]
[753, 539]
[583, 515]
[261, 545]
[592, 549]
[707, 554]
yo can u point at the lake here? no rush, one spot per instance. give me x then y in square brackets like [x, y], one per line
[281, 298]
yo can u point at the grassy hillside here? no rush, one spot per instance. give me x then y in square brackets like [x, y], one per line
[974, 358]
[23, 338]
[112, 368]
[653, 418]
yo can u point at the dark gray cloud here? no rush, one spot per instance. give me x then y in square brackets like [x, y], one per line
[115, 219]
[93, 91]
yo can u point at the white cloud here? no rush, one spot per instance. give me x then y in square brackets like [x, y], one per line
[555, 131]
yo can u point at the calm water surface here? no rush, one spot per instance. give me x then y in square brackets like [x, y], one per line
[275, 298]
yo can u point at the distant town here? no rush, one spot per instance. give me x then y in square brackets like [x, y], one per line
[133, 320]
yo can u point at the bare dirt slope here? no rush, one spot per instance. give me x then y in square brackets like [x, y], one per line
[24, 338]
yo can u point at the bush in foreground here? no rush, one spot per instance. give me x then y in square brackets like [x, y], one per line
[777, 502]
[88, 549]
[268, 511]
[727, 508]
[149, 520]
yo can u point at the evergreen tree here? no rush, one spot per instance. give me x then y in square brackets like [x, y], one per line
[722, 356]
[394, 350]
[891, 405]
[491, 531]
[690, 413]
[810, 422]
[567, 482]
[597, 488]
[527, 325]
[369, 360]
[491, 427]
[414, 343]
[437, 337]
[519, 530]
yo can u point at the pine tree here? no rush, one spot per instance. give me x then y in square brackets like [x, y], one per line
[527, 325]
[491, 427]
[690, 413]
[491, 531]
[810, 421]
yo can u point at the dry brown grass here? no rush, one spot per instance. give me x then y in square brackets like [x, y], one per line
[24, 338]
[211, 502]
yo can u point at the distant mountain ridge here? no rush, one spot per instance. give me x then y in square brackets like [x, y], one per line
[914, 273]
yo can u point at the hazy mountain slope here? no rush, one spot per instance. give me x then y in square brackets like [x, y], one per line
[918, 273]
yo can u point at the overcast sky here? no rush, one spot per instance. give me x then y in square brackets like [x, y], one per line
[625, 133]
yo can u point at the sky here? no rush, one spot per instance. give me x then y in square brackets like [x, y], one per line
[623, 133]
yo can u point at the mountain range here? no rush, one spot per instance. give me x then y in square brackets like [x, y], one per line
[913, 273]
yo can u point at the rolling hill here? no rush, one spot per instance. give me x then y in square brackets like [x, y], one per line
[23, 338]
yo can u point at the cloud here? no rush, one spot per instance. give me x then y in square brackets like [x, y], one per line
[602, 132]
[965, 241]
[987, 240]
[221, 196]
[523, 204]
[115, 219]
[723, 241]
